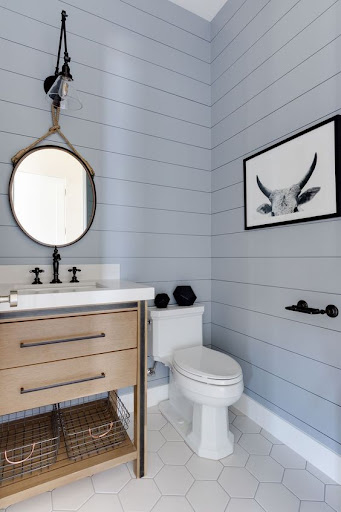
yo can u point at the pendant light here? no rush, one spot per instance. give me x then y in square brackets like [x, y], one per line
[59, 87]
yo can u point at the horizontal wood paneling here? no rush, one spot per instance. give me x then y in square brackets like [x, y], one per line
[279, 75]
[318, 417]
[278, 51]
[174, 15]
[143, 78]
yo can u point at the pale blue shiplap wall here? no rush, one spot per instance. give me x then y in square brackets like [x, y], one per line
[143, 72]
[275, 71]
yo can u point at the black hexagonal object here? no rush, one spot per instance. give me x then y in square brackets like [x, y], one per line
[184, 296]
[161, 301]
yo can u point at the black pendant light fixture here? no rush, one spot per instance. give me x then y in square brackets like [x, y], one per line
[58, 87]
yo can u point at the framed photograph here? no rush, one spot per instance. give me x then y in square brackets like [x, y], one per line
[295, 180]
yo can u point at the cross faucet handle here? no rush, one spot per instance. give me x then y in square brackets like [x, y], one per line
[36, 271]
[74, 271]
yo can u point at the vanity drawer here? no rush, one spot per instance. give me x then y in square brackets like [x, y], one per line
[65, 380]
[52, 339]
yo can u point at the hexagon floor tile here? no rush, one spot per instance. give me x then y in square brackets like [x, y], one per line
[112, 480]
[175, 453]
[102, 502]
[139, 495]
[170, 434]
[238, 482]
[172, 504]
[315, 506]
[204, 496]
[287, 457]
[304, 485]
[243, 505]
[41, 503]
[333, 497]
[174, 480]
[277, 498]
[156, 421]
[246, 426]
[237, 459]
[72, 496]
[155, 440]
[178, 480]
[204, 469]
[264, 468]
[255, 444]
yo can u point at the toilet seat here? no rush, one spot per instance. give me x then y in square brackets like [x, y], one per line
[208, 366]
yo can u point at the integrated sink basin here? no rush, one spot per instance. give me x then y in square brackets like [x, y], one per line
[31, 297]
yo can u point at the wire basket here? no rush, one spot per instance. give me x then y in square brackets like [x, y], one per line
[29, 442]
[91, 427]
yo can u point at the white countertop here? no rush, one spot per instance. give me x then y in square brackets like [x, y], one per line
[31, 297]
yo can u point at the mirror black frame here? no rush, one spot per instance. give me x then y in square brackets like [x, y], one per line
[10, 188]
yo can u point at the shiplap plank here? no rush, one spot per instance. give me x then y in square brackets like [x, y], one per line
[272, 302]
[123, 192]
[234, 33]
[223, 17]
[17, 119]
[317, 104]
[164, 48]
[99, 244]
[138, 22]
[318, 239]
[313, 376]
[91, 55]
[174, 15]
[306, 340]
[312, 72]
[115, 166]
[225, 55]
[305, 29]
[114, 218]
[108, 113]
[311, 274]
[312, 414]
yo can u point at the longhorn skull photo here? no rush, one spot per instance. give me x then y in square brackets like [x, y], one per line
[298, 178]
[288, 200]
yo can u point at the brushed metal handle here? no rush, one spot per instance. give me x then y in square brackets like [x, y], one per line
[69, 383]
[12, 298]
[65, 340]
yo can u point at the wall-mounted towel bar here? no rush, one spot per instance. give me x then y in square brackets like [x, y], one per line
[302, 307]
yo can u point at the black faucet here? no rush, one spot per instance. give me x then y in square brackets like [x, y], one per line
[56, 260]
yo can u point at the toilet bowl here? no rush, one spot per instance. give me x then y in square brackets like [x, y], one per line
[203, 382]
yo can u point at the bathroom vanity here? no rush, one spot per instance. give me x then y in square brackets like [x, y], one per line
[61, 344]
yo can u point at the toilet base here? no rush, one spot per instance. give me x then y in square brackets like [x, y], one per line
[208, 433]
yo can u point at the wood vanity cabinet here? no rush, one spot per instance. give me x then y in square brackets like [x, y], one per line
[50, 356]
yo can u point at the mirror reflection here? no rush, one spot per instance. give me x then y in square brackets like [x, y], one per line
[52, 196]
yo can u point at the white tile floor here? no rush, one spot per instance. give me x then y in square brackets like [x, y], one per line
[261, 475]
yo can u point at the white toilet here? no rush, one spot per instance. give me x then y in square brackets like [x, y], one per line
[203, 382]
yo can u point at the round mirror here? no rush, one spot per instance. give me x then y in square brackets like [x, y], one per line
[52, 196]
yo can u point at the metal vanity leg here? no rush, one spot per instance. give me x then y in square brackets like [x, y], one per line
[140, 395]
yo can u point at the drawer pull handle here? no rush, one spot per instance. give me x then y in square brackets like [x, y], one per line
[101, 435]
[78, 381]
[20, 461]
[66, 340]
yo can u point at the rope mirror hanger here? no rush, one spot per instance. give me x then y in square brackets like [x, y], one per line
[55, 128]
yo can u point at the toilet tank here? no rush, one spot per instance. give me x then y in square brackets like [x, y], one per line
[174, 328]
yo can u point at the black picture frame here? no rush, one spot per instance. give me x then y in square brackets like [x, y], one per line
[337, 159]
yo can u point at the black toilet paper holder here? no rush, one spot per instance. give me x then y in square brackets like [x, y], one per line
[302, 307]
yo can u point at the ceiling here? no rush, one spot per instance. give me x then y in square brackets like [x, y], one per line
[205, 8]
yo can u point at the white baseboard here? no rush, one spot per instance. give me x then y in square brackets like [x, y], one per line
[314, 452]
[154, 397]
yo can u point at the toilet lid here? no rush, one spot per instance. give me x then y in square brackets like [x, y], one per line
[206, 364]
